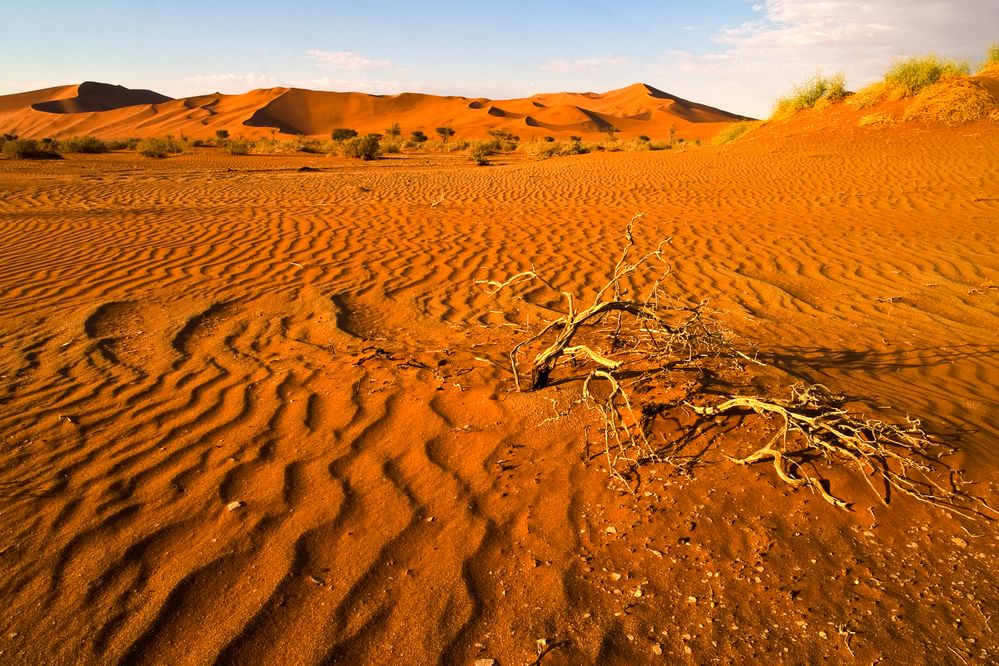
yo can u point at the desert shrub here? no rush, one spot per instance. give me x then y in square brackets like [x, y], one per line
[876, 119]
[30, 149]
[731, 132]
[84, 144]
[811, 92]
[911, 75]
[416, 136]
[307, 145]
[479, 151]
[544, 150]
[952, 100]
[202, 143]
[504, 140]
[222, 134]
[991, 58]
[362, 147]
[445, 132]
[644, 137]
[549, 139]
[238, 146]
[391, 145]
[574, 138]
[159, 147]
[393, 131]
[122, 144]
[343, 134]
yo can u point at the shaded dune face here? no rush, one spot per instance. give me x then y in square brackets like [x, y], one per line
[255, 415]
[114, 111]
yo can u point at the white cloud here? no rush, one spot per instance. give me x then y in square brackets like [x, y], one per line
[793, 39]
[345, 60]
[584, 64]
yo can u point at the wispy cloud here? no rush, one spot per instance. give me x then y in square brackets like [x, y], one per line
[345, 60]
[584, 64]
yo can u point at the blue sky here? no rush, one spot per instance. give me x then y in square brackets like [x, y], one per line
[735, 54]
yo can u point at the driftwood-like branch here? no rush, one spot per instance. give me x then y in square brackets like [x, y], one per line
[811, 423]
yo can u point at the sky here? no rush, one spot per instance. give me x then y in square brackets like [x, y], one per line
[738, 55]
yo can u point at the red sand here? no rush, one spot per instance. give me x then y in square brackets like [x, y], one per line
[254, 415]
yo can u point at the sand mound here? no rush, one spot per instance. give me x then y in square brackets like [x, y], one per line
[91, 96]
[952, 100]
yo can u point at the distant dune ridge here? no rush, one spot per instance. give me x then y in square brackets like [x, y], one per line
[113, 111]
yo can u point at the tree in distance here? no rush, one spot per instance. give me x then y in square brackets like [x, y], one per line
[222, 134]
[445, 133]
[417, 136]
[343, 133]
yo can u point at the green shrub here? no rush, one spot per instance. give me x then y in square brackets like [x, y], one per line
[306, 145]
[158, 147]
[393, 131]
[911, 75]
[343, 134]
[548, 139]
[222, 134]
[84, 144]
[806, 95]
[991, 57]
[504, 140]
[445, 132]
[362, 147]
[731, 132]
[238, 146]
[29, 149]
[644, 137]
[479, 151]
[391, 146]
[122, 144]
[416, 136]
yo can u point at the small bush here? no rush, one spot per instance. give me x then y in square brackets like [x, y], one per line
[222, 134]
[391, 146]
[808, 94]
[362, 147]
[911, 75]
[504, 140]
[84, 144]
[238, 146]
[416, 136]
[122, 144]
[991, 58]
[644, 137]
[731, 133]
[393, 131]
[158, 148]
[343, 134]
[549, 139]
[310, 146]
[952, 101]
[29, 149]
[479, 151]
[445, 132]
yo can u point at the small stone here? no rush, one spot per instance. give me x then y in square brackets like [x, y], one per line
[657, 649]
[822, 634]
[687, 650]
[615, 576]
[485, 662]
[692, 599]
[611, 529]
[232, 506]
[959, 542]
[638, 592]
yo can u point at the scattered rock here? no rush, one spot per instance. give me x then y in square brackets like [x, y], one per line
[232, 506]
[611, 529]
[959, 542]
[615, 576]
[485, 662]
[657, 649]
[692, 599]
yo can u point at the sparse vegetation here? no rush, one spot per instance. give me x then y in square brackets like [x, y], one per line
[732, 132]
[445, 132]
[809, 94]
[911, 75]
[362, 147]
[238, 146]
[952, 100]
[122, 144]
[222, 134]
[991, 57]
[30, 149]
[393, 131]
[504, 140]
[479, 152]
[159, 147]
[416, 136]
[84, 144]
[343, 134]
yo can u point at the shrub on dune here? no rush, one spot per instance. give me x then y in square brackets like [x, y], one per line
[731, 132]
[362, 147]
[952, 100]
[343, 134]
[817, 89]
[238, 146]
[911, 75]
[479, 152]
[991, 58]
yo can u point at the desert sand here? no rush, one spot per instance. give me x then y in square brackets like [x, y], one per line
[117, 112]
[251, 414]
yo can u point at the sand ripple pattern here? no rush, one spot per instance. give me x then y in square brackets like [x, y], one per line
[240, 405]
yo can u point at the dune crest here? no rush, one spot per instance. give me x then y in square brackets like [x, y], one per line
[116, 112]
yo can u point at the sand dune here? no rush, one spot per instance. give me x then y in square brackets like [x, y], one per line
[115, 112]
[255, 415]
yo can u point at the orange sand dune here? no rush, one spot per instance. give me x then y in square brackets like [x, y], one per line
[115, 112]
[251, 414]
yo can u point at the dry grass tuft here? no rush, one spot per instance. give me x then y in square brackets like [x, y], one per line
[876, 119]
[952, 100]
